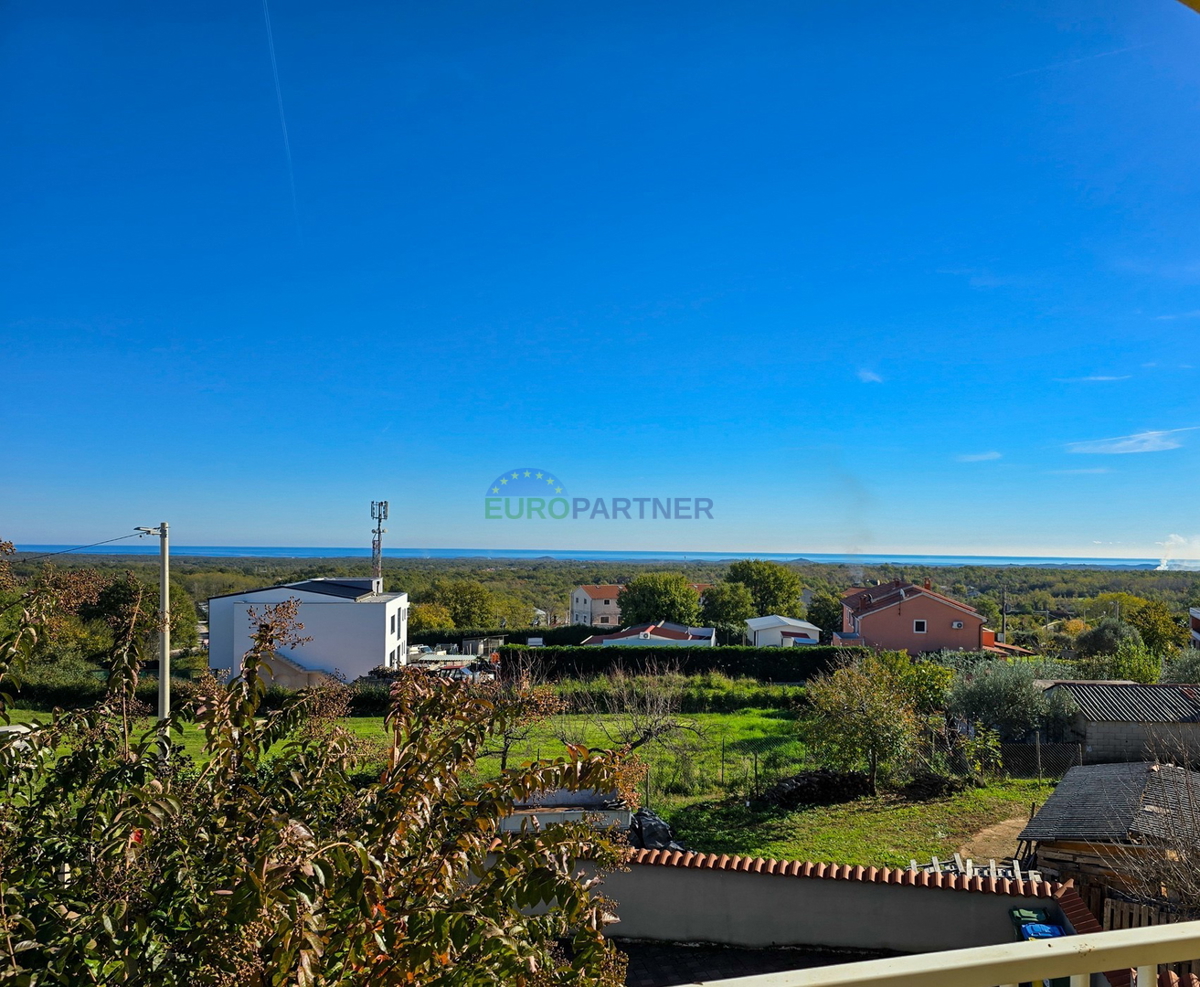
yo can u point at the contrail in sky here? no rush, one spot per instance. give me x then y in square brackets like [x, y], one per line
[1076, 61]
[287, 146]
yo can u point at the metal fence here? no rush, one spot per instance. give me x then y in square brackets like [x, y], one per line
[1038, 760]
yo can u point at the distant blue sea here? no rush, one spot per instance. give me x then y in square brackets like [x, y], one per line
[150, 547]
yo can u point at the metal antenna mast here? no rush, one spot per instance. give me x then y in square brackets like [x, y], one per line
[379, 514]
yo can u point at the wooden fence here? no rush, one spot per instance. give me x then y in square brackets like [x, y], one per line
[1121, 914]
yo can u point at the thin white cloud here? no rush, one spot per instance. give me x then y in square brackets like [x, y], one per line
[1139, 442]
[1076, 61]
[869, 377]
[978, 457]
[1194, 314]
[1094, 379]
[1098, 469]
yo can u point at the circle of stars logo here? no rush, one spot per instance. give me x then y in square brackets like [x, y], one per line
[525, 482]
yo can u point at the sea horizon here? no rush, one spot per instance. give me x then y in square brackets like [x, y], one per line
[608, 555]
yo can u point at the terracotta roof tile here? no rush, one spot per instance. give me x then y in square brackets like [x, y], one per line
[1071, 903]
[602, 592]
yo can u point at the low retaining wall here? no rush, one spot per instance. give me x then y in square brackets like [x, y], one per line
[860, 909]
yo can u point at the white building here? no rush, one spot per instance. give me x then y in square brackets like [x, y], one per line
[354, 627]
[596, 605]
[774, 631]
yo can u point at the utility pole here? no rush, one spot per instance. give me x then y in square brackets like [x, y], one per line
[379, 514]
[164, 618]
[1004, 615]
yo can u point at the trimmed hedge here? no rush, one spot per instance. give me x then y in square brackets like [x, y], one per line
[79, 693]
[563, 635]
[764, 664]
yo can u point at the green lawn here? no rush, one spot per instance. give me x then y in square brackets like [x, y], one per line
[710, 814]
[883, 831]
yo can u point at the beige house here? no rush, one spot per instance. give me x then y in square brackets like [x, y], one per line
[596, 605]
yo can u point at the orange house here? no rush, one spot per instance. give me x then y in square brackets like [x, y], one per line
[900, 616]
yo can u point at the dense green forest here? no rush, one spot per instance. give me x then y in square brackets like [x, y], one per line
[1035, 596]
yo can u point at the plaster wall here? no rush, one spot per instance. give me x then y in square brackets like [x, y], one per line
[677, 904]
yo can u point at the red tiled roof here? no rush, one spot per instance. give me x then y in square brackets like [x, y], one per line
[849, 872]
[882, 597]
[603, 592]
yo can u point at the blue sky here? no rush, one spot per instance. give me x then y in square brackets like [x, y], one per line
[870, 278]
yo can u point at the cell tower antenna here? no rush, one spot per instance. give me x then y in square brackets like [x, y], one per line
[379, 514]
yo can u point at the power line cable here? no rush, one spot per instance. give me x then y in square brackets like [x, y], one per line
[48, 555]
[78, 548]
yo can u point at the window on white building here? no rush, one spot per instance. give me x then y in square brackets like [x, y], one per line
[393, 623]
[918, 627]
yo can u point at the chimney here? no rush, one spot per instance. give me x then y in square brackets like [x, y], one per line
[928, 584]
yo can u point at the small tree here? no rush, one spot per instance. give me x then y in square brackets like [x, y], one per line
[727, 607]
[1132, 660]
[469, 602]
[1161, 631]
[1106, 637]
[775, 588]
[863, 714]
[655, 596]
[825, 610]
[521, 704]
[1005, 696]
[424, 617]
[1183, 668]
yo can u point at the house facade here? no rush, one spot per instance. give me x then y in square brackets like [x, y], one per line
[352, 627]
[775, 631]
[1194, 625]
[901, 616]
[596, 605]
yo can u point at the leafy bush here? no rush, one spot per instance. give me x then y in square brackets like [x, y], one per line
[1106, 637]
[124, 864]
[1183, 668]
[1005, 697]
[1132, 660]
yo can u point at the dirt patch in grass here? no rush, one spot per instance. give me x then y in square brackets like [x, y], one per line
[998, 842]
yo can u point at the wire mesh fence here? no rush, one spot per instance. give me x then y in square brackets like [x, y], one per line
[1044, 761]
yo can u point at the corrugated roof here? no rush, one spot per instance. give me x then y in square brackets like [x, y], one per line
[1108, 802]
[1134, 703]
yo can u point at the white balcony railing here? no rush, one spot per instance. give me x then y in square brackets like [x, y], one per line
[1012, 963]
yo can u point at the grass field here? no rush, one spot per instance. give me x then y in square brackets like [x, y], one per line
[711, 816]
[882, 831]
